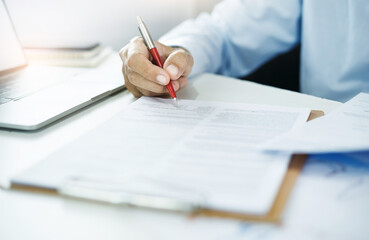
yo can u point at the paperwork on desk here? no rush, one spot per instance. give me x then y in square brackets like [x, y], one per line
[199, 151]
[344, 130]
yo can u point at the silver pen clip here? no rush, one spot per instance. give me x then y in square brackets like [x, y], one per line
[145, 33]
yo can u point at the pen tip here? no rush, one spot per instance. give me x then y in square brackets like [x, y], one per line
[139, 19]
[175, 101]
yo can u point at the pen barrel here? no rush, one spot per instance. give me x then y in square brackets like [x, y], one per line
[171, 91]
[157, 60]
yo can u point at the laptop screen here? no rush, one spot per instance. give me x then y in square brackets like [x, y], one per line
[11, 52]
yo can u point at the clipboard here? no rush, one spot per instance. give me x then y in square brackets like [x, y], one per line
[273, 216]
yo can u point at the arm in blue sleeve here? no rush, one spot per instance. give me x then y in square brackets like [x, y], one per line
[239, 35]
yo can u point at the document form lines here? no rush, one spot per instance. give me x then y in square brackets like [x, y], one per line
[190, 146]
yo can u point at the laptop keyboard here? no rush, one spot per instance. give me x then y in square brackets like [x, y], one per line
[14, 88]
[19, 86]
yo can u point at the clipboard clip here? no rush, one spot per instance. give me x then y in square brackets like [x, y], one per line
[135, 191]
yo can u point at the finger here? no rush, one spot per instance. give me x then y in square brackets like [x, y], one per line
[142, 66]
[149, 93]
[123, 53]
[183, 81]
[143, 83]
[131, 87]
[164, 51]
[137, 60]
[179, 63]
[179, 83]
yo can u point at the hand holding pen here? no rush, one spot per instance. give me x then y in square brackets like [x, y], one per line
[143, 77]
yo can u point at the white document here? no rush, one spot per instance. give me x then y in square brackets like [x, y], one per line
[202, 149]
[344, 130]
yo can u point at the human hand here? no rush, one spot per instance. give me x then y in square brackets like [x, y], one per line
[142, 77]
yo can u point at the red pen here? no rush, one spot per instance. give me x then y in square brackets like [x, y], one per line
[154, 53]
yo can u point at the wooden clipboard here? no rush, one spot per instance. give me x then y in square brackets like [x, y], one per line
[273, 216]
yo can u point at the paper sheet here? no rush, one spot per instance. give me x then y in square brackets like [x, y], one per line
[203, 148]
[344, 130]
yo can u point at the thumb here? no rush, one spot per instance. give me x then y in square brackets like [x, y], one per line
[178, 62]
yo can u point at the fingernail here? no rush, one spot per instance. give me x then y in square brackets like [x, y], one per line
[161, 79]
[173, 70]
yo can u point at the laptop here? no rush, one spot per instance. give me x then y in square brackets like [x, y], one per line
[32, 97]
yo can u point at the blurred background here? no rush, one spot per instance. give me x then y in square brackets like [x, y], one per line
[81, 23]
[77, 23]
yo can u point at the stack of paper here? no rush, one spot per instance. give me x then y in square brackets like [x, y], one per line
[344, 130]
[78, 57]
[202, 149]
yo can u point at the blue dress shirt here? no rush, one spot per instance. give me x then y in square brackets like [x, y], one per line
[240, 35]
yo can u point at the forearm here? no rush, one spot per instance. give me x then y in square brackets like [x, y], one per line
[239, 35]
[202, 39]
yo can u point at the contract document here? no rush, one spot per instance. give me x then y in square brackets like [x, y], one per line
[344, 130]
[202, 152]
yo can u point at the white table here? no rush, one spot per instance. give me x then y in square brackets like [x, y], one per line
[25, 215]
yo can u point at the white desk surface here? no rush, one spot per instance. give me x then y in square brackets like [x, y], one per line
[25, 215]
